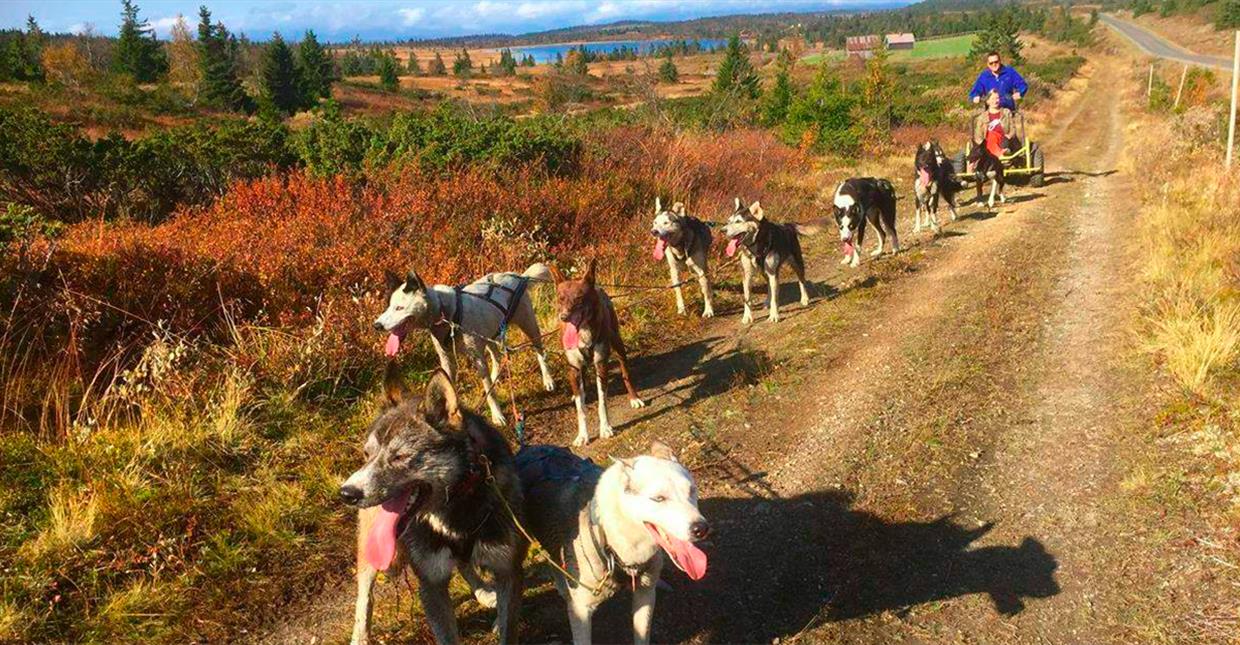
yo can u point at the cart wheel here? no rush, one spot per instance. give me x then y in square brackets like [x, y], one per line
[1038, 178]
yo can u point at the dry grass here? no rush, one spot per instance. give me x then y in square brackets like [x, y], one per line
[72, 521]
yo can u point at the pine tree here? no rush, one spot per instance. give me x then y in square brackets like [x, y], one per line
[278, 76]
[507, 63]
[736, 73]
[667, 71]
[528, 61]
[462, 67]
[1228, 16]
[414, 67]
[575, 62]
[437, 67]
[315, 69]
[389, 79]
[775, 102]
[138, 53]
[218, 56]
[1001, 34]
[28, 52]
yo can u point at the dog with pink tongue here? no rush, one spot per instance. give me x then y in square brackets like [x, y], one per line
[613, 529]
[684, 241]
[435, 490]
[590, 332]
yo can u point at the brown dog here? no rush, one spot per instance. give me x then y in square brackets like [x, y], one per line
[590, 332]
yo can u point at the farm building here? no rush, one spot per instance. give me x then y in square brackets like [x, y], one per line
[862, 46]
[901, 41]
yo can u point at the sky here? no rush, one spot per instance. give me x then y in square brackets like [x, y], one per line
[339, 20]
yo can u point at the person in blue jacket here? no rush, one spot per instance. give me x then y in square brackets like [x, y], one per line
[1002, 78]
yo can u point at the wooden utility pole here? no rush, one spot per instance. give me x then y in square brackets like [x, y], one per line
[1235, 83]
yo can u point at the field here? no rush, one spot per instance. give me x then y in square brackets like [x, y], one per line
[187, 364]
[937, 48]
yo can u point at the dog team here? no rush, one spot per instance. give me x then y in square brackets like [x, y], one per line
[441, 490]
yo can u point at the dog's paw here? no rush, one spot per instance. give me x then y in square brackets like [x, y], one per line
[636, 403]
[708, 313]
[499, 420]
[485, 597]
[846, 260]
[548, 385]
[581, 440]
[605, 432]
[747, 317]
[680, 309]
[804, 301]
[773, 316]
[856, 261]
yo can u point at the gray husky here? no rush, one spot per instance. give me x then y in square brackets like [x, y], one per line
[468, 319]
[424, 492]
[683, 240]
[611, 528]
[766, 245]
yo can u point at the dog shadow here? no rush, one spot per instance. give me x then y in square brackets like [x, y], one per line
[1025, 197]
[981, 214]
[778, 566]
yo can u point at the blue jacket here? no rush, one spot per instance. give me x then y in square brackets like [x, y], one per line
[1006, 82]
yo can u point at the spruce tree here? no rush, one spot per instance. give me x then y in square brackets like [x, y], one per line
[1228, 16]
[389, 78]
[414, 67]
[278, 76]
[28, 52]
[138, 53]
[507, 63]
[667, 71]
[437, 67]
[1001, 34]
[462, 67]
[775, 101]
[218, 56]
[736, 74]
[315, 70]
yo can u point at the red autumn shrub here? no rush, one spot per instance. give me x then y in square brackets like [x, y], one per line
[291, 249]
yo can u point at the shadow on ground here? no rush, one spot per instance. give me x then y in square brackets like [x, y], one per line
[778, 565]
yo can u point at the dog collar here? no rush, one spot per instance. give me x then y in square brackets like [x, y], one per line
[604, 552]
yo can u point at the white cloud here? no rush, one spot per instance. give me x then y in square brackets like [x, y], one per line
[410, 17]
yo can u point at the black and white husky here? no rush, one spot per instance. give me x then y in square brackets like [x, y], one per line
[612, 528]
[467, 319]
[433, 496]
[766, 245]
[934, 177]
[862, 200]
[683, 240]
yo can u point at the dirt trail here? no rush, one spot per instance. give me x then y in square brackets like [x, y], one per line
[925, 454]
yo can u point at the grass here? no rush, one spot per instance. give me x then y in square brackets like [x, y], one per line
[937, 48]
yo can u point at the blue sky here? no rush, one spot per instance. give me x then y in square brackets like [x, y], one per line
[394, 19]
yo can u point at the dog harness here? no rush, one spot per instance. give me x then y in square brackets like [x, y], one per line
[506, 310]
[695, 229]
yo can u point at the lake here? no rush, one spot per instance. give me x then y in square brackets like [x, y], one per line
[547, 53]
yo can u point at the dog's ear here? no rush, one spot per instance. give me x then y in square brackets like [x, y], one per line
[658, 206]
[556, 276]
[394, 387]
[440, 406]
[679, 209]
[662, 451]
[588, 278]
[391, 280]
[413, 282]
[755, 209]
[626, 470]
[736, 206]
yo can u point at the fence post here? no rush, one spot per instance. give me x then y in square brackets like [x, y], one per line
[1235, 83]
[1179, 92]
[1149, 85]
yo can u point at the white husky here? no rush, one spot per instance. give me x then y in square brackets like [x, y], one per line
[611, 528]
[467, 319]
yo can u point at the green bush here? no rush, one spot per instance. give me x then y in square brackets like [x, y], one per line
[65, 176]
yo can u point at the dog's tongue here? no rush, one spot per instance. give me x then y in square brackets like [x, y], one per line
[393, 345]
[659, 245]
[732, 246]
[684, 554]
[380, 546]
[570, 335]
[848, 248]
[924, 175]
